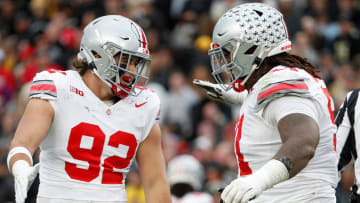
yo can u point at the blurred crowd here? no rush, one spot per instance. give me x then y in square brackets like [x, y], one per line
[42, 34]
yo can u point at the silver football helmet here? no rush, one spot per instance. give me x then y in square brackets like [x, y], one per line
[185, 169]
[111, 35]
[242, 38]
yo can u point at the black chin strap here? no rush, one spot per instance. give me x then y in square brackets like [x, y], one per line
[92, 66]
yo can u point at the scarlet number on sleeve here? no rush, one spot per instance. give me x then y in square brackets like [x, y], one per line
[86, 143]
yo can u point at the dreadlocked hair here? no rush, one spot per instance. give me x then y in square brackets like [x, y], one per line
[284, 59]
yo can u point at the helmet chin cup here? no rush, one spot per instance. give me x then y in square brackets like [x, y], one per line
[237, 86]
[120, 92]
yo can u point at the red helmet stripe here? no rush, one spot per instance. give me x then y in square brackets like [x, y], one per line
[143, 38]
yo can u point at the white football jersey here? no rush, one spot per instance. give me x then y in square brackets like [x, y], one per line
[194, 197]
[257, 139]
[90, 145]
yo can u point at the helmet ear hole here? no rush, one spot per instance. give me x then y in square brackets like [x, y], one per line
[251, 50]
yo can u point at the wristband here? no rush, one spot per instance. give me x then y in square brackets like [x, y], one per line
[272, 173]
[233, 97]
[19, 150]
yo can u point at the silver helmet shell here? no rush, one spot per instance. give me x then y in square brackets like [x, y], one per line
[107, 36]
[242, 38]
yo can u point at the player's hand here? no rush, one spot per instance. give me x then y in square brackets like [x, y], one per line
[241, 190]
[213, 90]
[216, 92]
[24, 175]
[246, 188]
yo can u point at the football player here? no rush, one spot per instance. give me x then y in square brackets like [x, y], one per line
[92, 123]
[285, 142]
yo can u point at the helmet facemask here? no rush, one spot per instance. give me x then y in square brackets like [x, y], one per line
[114, 74]
[233, 61]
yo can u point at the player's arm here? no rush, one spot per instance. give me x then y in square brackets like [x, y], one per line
[297, 121]
[152, 168]
[31, 130]
[300, 135]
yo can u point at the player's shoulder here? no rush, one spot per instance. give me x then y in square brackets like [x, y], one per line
[46, 83]
[51, 74]
[147, 94]
[282, 74]
[281, 81]
[145, 99]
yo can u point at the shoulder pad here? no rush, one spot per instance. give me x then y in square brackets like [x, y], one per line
[43, 85]
[282, 81]
[279, 74]
[149, 96]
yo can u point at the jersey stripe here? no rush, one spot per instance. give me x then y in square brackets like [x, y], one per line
[158, 115]
[330, 104]
[282, 88]
[144, 42]
[331, 112]
[143, 39]
[43, 87]
[243, 166]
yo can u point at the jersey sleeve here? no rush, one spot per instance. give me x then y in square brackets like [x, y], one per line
[284, 106]
[279, 82]
[43, 86]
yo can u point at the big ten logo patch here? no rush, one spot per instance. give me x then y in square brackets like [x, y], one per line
[76, 90]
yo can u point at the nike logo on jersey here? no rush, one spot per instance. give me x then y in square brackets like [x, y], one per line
[140, 105]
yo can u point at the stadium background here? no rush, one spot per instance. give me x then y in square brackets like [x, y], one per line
[41, 34]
